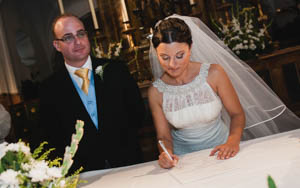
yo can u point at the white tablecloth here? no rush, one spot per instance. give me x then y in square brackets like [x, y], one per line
[277, 155]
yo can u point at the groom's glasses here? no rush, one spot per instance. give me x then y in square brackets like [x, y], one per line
[69, 38]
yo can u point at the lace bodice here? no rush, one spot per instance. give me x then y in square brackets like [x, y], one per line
[192, 104]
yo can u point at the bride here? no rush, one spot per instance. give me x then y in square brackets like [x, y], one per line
[203, 96]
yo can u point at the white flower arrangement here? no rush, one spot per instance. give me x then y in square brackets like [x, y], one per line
[244, 35]
[20, 168]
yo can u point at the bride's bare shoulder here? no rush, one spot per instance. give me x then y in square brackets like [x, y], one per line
[154, 94]
[216, 70]
[216, 75]
[152, 90]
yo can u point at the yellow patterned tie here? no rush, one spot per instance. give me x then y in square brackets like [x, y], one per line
[83, 73]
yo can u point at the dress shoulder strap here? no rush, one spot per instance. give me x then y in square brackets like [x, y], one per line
[159, 84]
[204, 70]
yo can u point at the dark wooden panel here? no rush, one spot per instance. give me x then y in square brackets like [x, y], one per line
[291, 77]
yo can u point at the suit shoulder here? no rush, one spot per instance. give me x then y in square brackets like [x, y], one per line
[107, 63]
[48, 80]
[51, 80]
[117, 66]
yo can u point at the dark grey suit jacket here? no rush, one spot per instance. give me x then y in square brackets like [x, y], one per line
[120, 114]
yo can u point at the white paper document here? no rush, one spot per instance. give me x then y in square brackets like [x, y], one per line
[277, 156]
[197, 166]
[255, 156]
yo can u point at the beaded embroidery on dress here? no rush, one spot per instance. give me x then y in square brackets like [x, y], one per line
[194, 110]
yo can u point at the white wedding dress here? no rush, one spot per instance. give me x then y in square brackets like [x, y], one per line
[194, 111]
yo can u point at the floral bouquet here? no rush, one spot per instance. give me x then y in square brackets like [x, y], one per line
[21, 168]
[244, 35]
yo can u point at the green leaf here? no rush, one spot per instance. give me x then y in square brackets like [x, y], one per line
[271, 182]
[11, 160]
[55, 162]
[39, 149]
[1, 167]
[45, 155]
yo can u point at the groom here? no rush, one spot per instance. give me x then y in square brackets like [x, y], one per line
[110, 105]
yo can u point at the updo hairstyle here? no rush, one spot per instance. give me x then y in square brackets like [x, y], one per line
[171, 30]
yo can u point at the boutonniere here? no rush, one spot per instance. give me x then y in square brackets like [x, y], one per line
[100, 70]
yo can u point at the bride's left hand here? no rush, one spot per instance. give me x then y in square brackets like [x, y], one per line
[227, 150]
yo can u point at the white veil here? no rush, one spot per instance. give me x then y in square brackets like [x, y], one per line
[265, 112]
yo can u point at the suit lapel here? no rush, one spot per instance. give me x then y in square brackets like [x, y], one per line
[99, 89]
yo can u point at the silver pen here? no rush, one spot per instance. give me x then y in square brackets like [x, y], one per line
[165, 149]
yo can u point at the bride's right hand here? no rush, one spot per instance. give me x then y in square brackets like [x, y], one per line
[165, 162]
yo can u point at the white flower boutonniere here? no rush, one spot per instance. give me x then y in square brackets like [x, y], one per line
[100, 70]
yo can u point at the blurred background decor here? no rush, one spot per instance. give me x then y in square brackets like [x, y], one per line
[245, 34]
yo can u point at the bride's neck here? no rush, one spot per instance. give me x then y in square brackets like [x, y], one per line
[187, 76]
